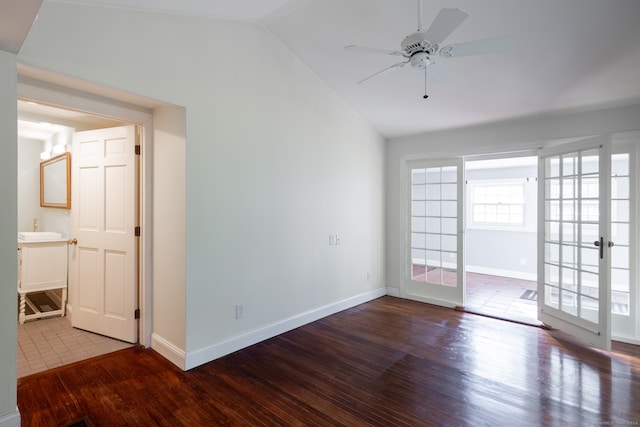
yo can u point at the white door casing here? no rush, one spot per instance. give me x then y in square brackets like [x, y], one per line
[574, 288]
[104, 261]
[435, 267]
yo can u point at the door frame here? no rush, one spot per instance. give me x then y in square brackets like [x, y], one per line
[498, 156]
[127, 108]
[401, 219]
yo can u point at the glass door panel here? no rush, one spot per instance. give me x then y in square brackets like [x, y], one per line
[624, 324]
[435, 267]
[573, 281]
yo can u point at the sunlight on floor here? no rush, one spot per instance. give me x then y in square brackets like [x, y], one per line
[501, 297]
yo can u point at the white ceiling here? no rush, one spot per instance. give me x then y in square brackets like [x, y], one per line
[570, 54]
[40, 122]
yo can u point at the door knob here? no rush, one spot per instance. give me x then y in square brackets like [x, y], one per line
[73, 241]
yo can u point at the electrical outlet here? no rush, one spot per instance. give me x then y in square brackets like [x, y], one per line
[523, 261]
[368, 277]
[239, 311]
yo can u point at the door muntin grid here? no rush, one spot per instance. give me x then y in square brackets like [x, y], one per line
[571, 226]
[434, 224]
[620, 234]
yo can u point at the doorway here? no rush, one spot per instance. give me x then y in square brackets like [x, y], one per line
[501, 237]
[433, 242]
[36, 116]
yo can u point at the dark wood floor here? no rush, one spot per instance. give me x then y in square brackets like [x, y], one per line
[387, 362]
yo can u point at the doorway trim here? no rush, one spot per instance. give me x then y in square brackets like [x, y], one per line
[48, 88]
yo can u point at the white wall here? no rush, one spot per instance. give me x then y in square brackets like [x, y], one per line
[49, 219]
[169, 211]
[275, 162]
[28, 183]
[500, 251]
[8, 235]
[509, 136]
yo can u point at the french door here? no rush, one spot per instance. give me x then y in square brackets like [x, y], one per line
[624, 291]
[435, 240]
[574, 288]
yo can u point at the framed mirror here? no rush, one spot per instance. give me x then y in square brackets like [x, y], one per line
[55, 182]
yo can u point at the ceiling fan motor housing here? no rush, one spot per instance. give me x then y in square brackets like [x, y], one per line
[418, 48]
[420, 60]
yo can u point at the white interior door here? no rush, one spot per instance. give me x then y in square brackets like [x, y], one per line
[103, 261]
[573, 277]
[435, 230]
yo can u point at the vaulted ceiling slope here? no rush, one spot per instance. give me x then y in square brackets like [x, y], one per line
[573, 54]
[16, 17]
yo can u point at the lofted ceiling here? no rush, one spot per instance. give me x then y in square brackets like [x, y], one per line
[15, 21]
[570, 54]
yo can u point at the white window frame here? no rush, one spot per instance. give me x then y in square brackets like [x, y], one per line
[529, 204]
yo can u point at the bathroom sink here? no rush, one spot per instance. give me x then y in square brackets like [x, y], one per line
[38, 236]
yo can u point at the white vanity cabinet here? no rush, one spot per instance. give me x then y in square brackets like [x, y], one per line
[42, 269]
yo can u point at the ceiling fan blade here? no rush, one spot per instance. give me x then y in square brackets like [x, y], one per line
[355, 48]
[446, 21]
[384, 71]
[479, 47]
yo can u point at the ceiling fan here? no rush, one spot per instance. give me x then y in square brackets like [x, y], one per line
[420, 48]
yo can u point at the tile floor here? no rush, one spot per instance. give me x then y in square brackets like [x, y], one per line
[48, 343]
[501, 297]
[486, 294]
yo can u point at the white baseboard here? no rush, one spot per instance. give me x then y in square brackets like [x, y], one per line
[207, 354]
[169, 351]
[501, 273]
[626, 340]
[10, 420]
[428, 300]
[393, 291]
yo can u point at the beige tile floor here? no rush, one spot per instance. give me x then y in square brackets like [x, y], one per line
[48, 343]
[490, 295]
[500, 296]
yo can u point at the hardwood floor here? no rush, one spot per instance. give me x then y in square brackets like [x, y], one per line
[386, 362]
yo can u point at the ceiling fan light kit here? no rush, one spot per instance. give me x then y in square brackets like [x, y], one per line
[420, 47]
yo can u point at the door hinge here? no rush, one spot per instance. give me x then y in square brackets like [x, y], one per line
[138, 149]
[136, 314]
[137, 231]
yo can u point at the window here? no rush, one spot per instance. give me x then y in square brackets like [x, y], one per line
[498, 204]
